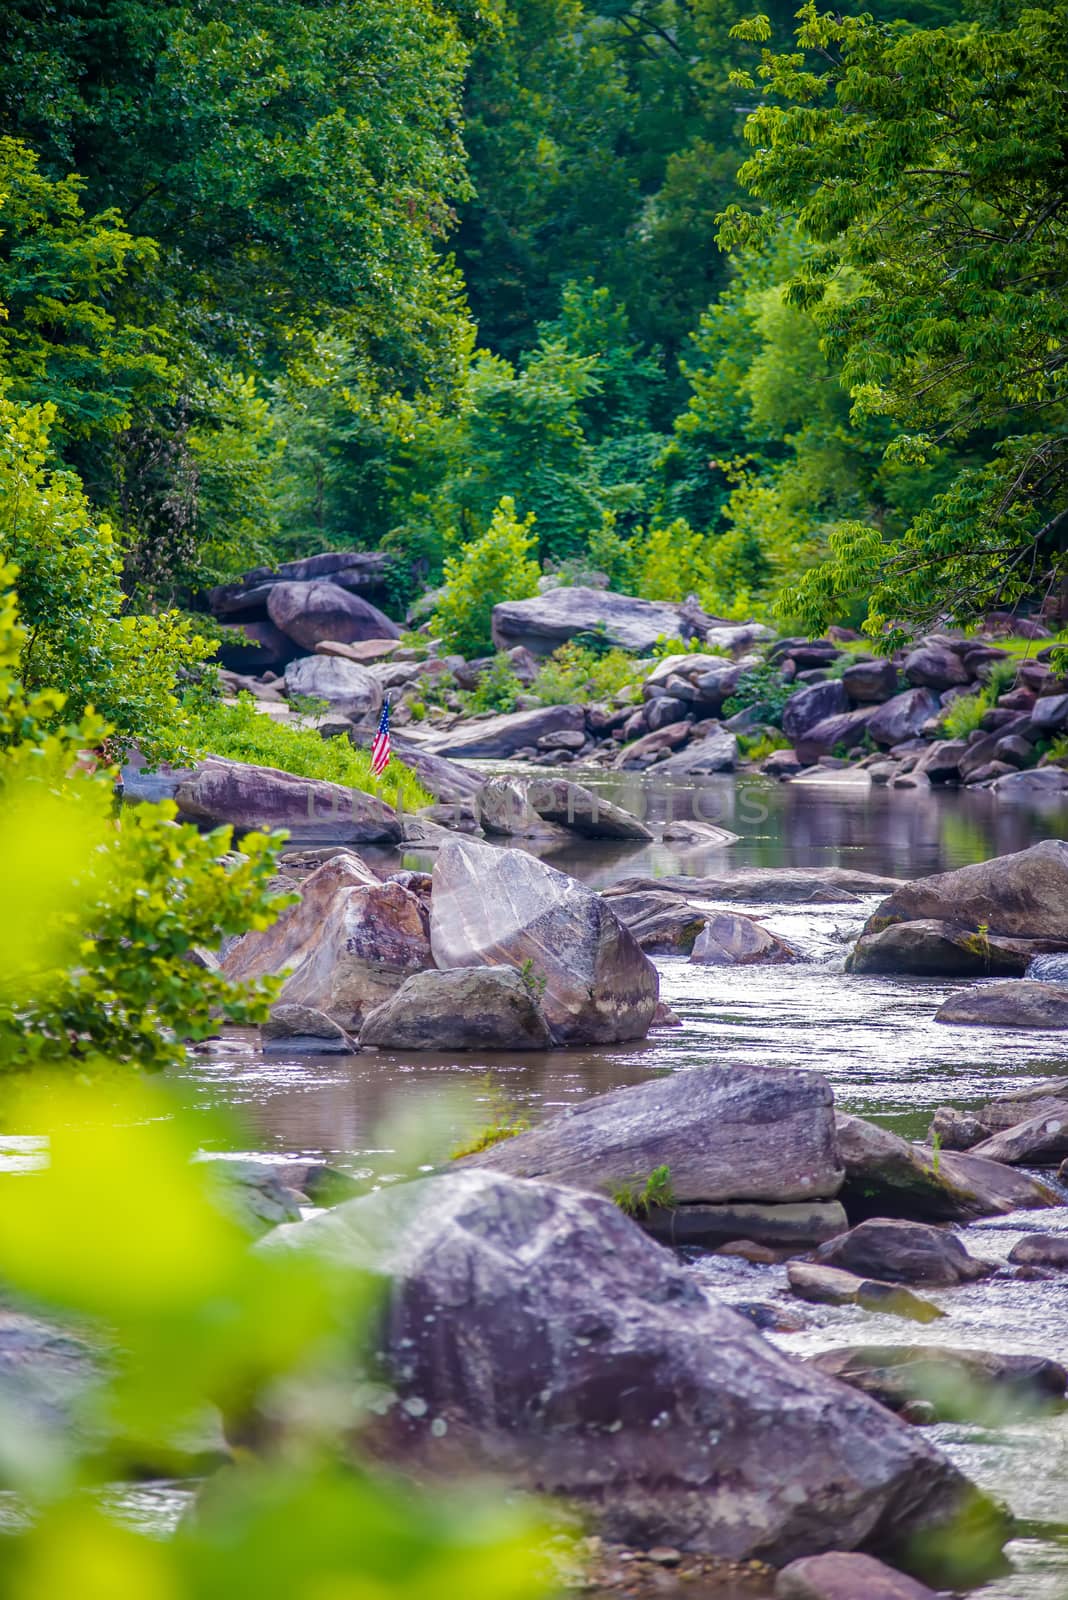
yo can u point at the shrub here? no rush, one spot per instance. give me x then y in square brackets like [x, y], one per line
[764, 689]
[575, 674]
[490, 569]
[498, 689]
[637, 1199]
[964, 714]
[242, 733]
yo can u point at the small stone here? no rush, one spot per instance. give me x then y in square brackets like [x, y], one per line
[665, 1556]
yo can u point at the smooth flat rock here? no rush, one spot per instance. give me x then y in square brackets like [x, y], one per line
[731, 940]
[697, 833]
[768, 885]
[497, 738]
[830, 1286]
[349, 690]
[579, 810]
[362, 651]
[716, 752]
[960, 1385]
[895, 1251]
[538, 1332]
[1024, 895]
[311, 612]
[549, 620]
[262, 798]
[303, 1031]
[846, 1575]
[472, 1008]
[1041, 1250]
[1036, 785]
[1041, 1141]
[493, 907]
[887, 1176]
[724, 1133]
[1023, 1004]
[926, 948]
[798, 1226]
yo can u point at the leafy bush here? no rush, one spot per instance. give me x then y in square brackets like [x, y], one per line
[764, 689]
[498, 689]
[964, 714]
[758, 746]
[490, 569]
[574, 675]
[637, 1199]
[242, 733]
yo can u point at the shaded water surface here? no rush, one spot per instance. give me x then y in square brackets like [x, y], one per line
[873, 1037]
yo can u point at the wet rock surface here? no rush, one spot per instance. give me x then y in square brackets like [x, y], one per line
[897, 1251]
[956, 1384]
[1026, 1004]
[489, 1008]
[846, 1575]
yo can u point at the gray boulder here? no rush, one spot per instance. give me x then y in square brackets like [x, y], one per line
[1024, 1004]
[504, 811]
[538, 1332]
[1035, 787]
[846, 1575]
[1024, 895]
[1040, 1141]
[473, 1008]
[716, 752]
[887, 1176]
[579, 810]
[903, 717]
[1041, 1250]
[302, 1030]
[361, 571]
[940, 949]
[843, 731]
[349, 690]
[549, 620]
[497, 738]
[798, 1226]
[957, 1385]
[897, 1251]
[310, 612]
[870, 682]
[345, 947]
[767, 885]
[731, 940]
[830, 1286]
[1049, 714]
[248, 797]
[935, 666]
[492, 907]
[809, 706]
[724, 1133]
[940, 763]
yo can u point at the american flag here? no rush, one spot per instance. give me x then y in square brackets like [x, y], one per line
[380, 744]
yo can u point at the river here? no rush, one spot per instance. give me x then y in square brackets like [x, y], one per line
[381, 1116]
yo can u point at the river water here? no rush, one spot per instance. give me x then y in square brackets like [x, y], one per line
[383, 1116]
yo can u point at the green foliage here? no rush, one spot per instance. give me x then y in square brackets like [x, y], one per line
[241, 733]
[490, 569]
[924, 167]
[758, 746]
[190, 1320]
[497, 689]
[505, 1121]
[763, 689]
[637, 1199]
[964, 714]
[574, 675]
[78, 640]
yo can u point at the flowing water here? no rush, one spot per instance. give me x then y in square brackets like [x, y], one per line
[381, 1115]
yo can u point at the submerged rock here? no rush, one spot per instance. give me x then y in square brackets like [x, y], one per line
[723, 1133]
[489, 1008]
[960, 1385]
[538, 1332]
[1041, 1250]
[492, 907]
[767, 885]
[831, 1286]
[1024, 1004]
[896, 1251]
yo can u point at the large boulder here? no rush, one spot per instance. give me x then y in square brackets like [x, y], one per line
[716, 752]
[301, 1030]
[492, 907]
[870, 682]
[811, 705]
[887, 1176]
[896, 1251]
[843, 731]
[1041, 1250]
[730, 940]
[903, 717]
[846, 1575]
[503, 811]
[348, 689]
[362, 571]
[663, 924]
[445, 780]
[935, 666]
[346, 946]
[473, 1008]
[1040, 1141]
[952, 1385]
[247, 797]
[536, 1331]
[497, 738]
[549, 620]
[940, 949]
[724, 1134]
[255, 647]
[570, 805]
[1024, 1004]
[310, 612]
[1024, 895]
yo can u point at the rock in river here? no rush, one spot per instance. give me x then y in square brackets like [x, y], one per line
[1023, 1004]
[730, 940]
[928, 949]
[301, 1030]
[1024, 896]
[725, 1133]
[903, 1252]
[537, 1332]
[960, 1385]
[768, 885]
[473, 1008]
[1041, 1250]
[830, 1286]
[846, 1575]
[247, 797]
[492, 907]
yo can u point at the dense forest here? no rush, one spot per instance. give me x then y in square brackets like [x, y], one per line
[766, 310]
